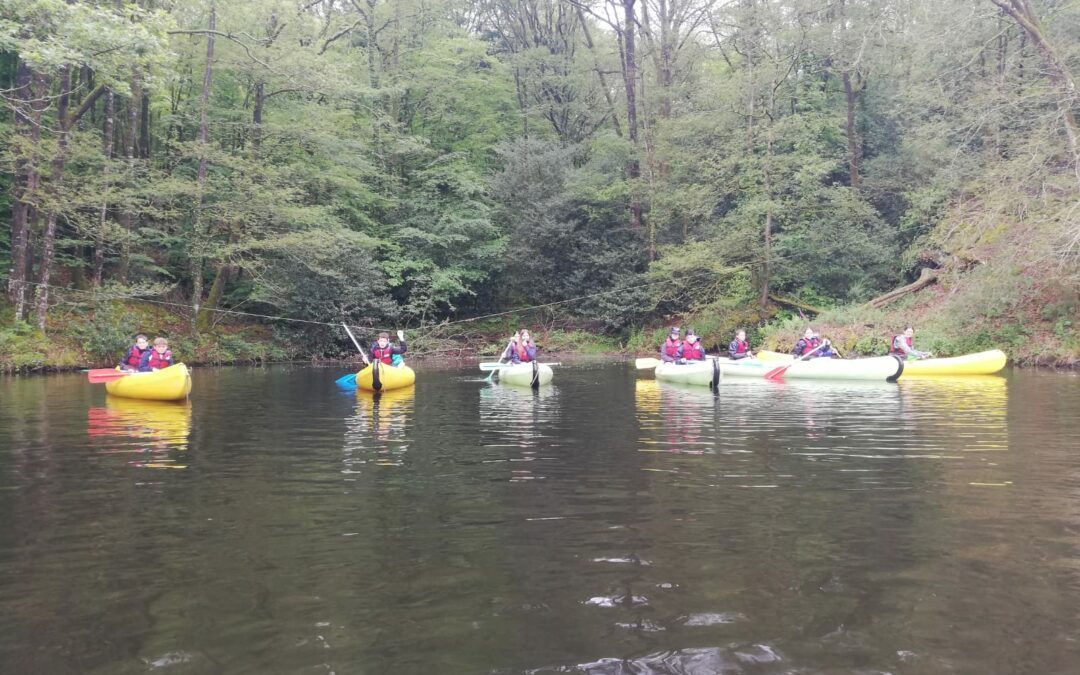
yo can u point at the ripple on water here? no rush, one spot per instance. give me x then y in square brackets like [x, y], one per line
[689, 661]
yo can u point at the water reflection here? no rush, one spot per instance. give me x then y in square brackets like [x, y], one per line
[379, 432]
[606, 526]
[854, 428]
[676, 418]
[517, 426]
[151, 431]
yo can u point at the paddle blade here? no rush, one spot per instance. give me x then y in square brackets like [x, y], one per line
[643, 364]
[106, 375]
[346, 380]
[776, 373]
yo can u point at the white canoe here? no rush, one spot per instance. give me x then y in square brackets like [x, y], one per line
[881, 368]
[701, 373]
[532, 374]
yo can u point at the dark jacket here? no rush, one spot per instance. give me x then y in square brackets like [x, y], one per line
[387, 355]
[513, 353]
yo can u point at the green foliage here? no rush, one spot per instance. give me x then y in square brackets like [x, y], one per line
[564, 215]
[224, 347]
[21, 347]
[106, 332]
[417, 161]
[575, 342]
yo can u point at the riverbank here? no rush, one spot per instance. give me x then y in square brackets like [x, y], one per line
[79, 337]
[94, 338]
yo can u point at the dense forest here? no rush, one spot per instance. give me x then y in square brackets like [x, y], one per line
[619, 162]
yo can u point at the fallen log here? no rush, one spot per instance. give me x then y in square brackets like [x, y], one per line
[926, 277]
[789, 302]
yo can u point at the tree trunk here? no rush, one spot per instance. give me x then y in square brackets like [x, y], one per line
[217, 288]
[373, 81]
[766, 262]
[926, 277]
[1058, 71]
[665, 71]
[198, 245]
[126, 218]
[852, 137]
[25, 125]
[107, 143]
[48, 239]
[257, 118]
[633, 167]
[144, 126]
[599, 72]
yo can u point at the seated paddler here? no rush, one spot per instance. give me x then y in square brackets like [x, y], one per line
[382, 350]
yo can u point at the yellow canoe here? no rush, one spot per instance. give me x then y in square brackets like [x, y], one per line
[982, 363]
[381, 377]
[766, 355]
[168, 384]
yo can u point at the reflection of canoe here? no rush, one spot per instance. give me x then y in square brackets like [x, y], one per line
[982, 363]
[876, 368]
[526, 374]
[168, 384]
[381, 377]
[699, 373]
[386, 402]
[164, 422]
[961, 388]
[513, 396]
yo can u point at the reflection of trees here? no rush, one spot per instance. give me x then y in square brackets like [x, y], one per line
[873, 542]
[75, 531]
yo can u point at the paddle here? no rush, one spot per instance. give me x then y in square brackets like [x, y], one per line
[350, 379]
[776, 373]
[502, 366]
[99, 375]
[499, 362]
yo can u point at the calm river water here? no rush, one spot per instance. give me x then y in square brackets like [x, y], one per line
[607, 524]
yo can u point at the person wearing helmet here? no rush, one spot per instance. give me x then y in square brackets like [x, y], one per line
[672, 349]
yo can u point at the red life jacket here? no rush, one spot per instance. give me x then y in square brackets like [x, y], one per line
[672, 348]
[693, 352]
[896, 351]
[134, 356]
[741, 346]
[808, 346]
[160, 361]
[523, 353]
[384, 355]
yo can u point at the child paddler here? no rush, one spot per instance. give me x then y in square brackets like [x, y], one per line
[521, 348]
[134, 354]
[810, 342]
[903, 346]
[381, 350]
[739, 347]
[157, 358]
[692, 349]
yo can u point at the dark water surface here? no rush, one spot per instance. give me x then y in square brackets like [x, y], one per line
[607, 524]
